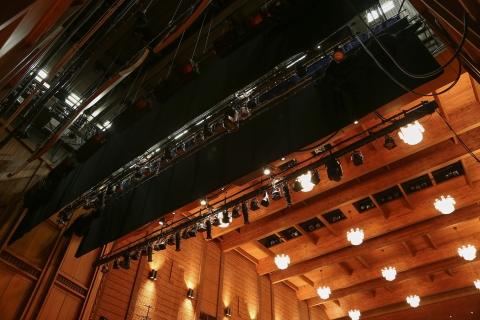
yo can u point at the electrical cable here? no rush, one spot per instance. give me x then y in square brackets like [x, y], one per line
[399, 83]
[464, 36]
[322, 143]
[459, 139]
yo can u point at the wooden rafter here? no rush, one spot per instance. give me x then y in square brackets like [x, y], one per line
[378, 206]
[468, 178]
[364, 262]
[410, 249]
[259, 246]
[291, 285]
[328, 226]
[306, 280]
[430, 242]
[406, 197]
[309, 236]
[247, 255]
[346, 267]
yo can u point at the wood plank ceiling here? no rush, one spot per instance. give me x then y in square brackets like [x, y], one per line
[407, 233]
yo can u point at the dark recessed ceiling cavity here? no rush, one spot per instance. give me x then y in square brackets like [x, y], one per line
[334, 216]
[388, 195]
[417, 184]
[311, 225]
[448, 172]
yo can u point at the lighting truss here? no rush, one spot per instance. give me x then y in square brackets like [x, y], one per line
[378, 131]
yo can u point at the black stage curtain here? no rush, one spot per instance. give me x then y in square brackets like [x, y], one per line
[301, 120]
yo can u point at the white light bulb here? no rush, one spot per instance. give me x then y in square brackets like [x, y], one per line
[412, 133]
[468, 253]
[389, 273]
[305, 180]
[355, 236]
[324, 292]
[354, 314]
[413, 301]
[282, 261]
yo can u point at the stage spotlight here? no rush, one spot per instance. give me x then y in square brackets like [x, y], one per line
[297, 186]
[225, 219]
[251, 104]
[300, 70]
[185, 234]
[245, 212]
[116, 264]
[149, 253]
[244, 112]
[162, 222]
[192, 233]
[216, 221]
[119, 189]
[136, 255]
[315, 177]
[266, 200]
[201, 227]
[105, 268]
[203, 201]
[267, 171]
[161, 245]
[207, 130]
[138, 173]
[389, 143]
[125, 263]
[235, 212]
[61, 223]
[334, 170]
[276, 194]
[254, 205]
[168, 153]
[177, 241]
[209, 229]
[338, 54]
[288, 197]
[171, 241]
[144, 251]
[357, 158]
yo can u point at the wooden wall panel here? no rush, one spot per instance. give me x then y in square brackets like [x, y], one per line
[318, 313]
[285, 302]
[36, 245]
[266, 298]
[211, 279]
[79, 269]
[60, 305]
[14, 290]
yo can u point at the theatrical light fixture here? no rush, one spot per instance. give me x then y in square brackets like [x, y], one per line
[190, 293]
[116, 264]
[162, 222]
[324, 292]
[136, 255]
[334, 170]
[144, 251]
[177, 241]
[209, 229]
[282, 261]
[338, 54]
[389, 273]
[303, 182]
[192, 232]
[267, 171]
[413, 301]
[355, 236]
[477, 284]
[203, 201]
[357, 158]
[315, 177]
[149, 253]
[185, 234]
[468, 253]
[389, 143]
[224, 218]
[244, 112]
[288, 197]
[201, 226]
[171, 241]
[412, 133]
[216, 221]
[105, 268]
[266, 200]
[254, 204]
[354, 314]
[445, 205]
[228, 312]
[276, 194]
[61, 223]
[125, 263]
[245, 212]
[236, 212]
[161, 245]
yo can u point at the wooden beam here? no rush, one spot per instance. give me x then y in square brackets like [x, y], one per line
[431, 244]
[397, 236]
[443, 112]
[321, 202]
[365, 263]
[388, 167]
[409, 248]
[291, 285]
[449, 272]
[328, 226]
[389, 288]
[409, 203]
[309, 236]
[468, 177]
[337, 302]
[379, 207]
[475, 88]
[260, 247]
[307, 280]
[373, 292]
[345, 267]
[421, 271]
[246, 255]
[430, 277]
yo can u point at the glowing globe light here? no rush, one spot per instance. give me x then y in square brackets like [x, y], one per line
[354, 314]
[282, 261]
[445, 205]
[305, 180]
[412, 133]
[355, 236]
[389, 273]
[324, 292]
[413, 301]
[468, 253]
[477, 284]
